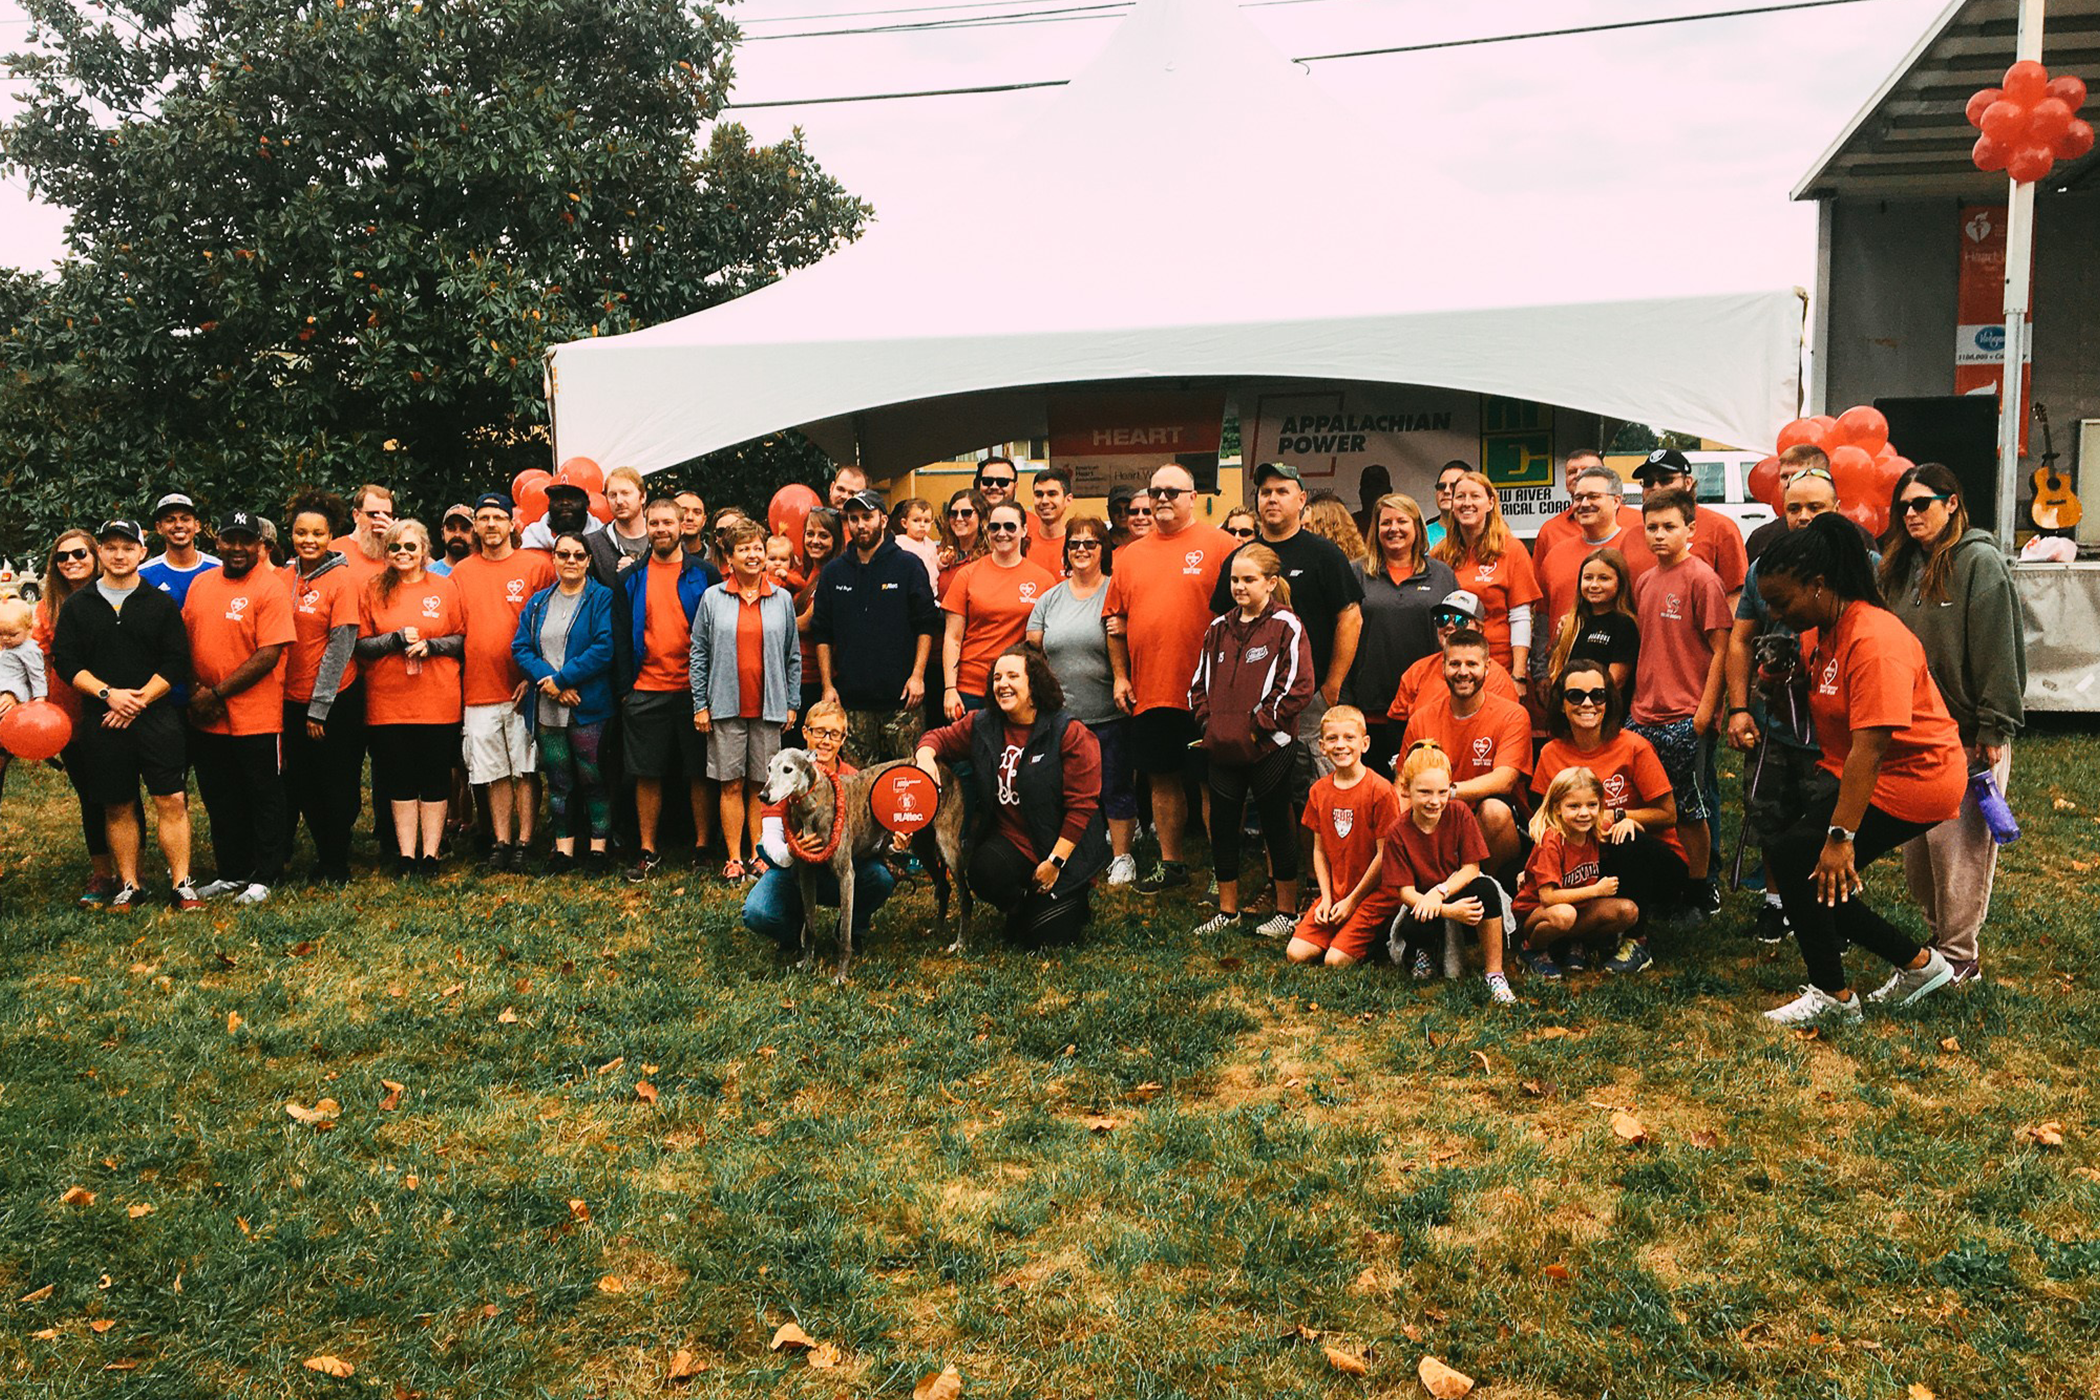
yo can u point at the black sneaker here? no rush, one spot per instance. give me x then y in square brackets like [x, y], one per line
[642, 867]
[518, 857]
[1772, 926]
[1167, 875]
[498, 861]
[428, 867]
[558, 863]
[594, 863]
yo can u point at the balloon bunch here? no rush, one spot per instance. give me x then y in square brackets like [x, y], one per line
[2029, 124]
[1864, 464]
[528, 489]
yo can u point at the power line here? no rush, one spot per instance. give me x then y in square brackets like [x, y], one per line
[1065, 15]
[894, 96]
[866, 14]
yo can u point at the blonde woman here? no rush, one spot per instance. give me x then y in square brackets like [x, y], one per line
[411, 635]
[1402, 587]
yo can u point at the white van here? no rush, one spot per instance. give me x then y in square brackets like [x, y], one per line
[1723, 486]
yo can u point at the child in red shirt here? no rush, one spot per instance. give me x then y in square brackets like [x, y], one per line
[1439, 852]
[1353, 815]
[1564, 897]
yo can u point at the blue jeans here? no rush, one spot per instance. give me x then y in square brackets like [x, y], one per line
[774, 906]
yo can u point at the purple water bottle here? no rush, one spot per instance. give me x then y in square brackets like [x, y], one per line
[1997, 815]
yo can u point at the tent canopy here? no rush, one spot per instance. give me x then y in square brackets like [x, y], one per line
[1207, 212]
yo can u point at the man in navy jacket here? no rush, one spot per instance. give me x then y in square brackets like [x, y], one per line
[873, 628]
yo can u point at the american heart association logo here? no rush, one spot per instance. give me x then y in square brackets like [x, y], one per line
[1344, 820]
[515, 590]
[1027, 592]
[432, 605]
[1194, 558]
[1483, 749]
[1615, 790]
[239, 606]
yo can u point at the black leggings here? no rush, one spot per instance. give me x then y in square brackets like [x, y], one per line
[1649, 873]
[1004, 877]
[1268, 782]
[1823, 930]
[412, 762]
[1411, 935]
[321, 780]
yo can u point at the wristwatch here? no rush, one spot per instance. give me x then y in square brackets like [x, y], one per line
[102, 694]
[1838, 833]
[1057, 860]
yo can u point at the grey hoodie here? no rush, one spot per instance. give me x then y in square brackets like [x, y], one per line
[1974, 644]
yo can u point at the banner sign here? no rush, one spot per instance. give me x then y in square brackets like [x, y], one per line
[1120, 439]
[1332, 434]
[1979, 340]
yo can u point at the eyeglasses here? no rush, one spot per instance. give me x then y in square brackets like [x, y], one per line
[809, 733]
[1918, 505]
[1594, 696]
[996, 480]
[1166, 493]
[1243, 532]
[404, 547]
[1001, 527]
[570, 556]
[67, 556]
[1580, 496]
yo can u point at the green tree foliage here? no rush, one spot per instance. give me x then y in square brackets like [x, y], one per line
[326, 241]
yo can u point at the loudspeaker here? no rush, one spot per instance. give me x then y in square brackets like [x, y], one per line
[1959, 430]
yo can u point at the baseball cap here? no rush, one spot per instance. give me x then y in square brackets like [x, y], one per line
[461, 510]
[268, 528]
[1125, 494]
[126, 529]
[239, 522]
[1663, 461]
[1283, 469]
[490, 500]
[1459, 600]
[566, 490]
[174, 500]
[868, 499]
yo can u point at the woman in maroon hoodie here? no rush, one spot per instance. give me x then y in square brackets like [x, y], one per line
[1254, 676]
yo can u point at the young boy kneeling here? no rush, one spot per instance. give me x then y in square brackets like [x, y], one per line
[1354, 816]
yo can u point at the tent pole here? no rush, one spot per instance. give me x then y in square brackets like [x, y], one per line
[2019, 276]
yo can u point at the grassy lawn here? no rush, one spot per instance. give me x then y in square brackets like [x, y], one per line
[1153, 1166]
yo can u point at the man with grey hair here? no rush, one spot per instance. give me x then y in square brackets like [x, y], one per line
[1599, 523]
[1562, 528]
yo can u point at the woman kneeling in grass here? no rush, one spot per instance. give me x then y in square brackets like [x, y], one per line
[1565, 899]
[1440, 849]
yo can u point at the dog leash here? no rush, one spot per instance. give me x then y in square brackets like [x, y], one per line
[822, 855]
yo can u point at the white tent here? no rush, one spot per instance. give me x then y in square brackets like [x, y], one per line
[1205, 211]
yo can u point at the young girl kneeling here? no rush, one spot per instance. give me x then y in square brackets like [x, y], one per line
[1353, 816]
[1440, 849]
[1564, 898]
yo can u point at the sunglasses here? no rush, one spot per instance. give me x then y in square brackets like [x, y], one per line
[1812, 474]
[1082, 544]
[1449, 619]
[404, 547]
[1166, 493]
[1001, 527]
[1140, 512]
[961, 512]
[996, 480]
[67, 556]
[1594, 696]
[1918, 505]
[1242, 532]
[570, 556]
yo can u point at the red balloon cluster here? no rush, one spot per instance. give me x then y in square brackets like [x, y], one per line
[35, 731]
[2029, 124]
[528, 489]
[1864, 464]
[791, 506]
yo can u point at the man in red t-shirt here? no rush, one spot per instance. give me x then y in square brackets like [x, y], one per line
[494, 585]
[1488, 739]
[1046, 527]
[1564, 527]
[658, 738]
[1602, 521]
[372, 512]
[239, 618]
[1157, 611]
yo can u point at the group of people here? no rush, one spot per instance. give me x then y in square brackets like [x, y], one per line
[1466, 738]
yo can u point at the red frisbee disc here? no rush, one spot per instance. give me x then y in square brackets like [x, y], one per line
[904, 799]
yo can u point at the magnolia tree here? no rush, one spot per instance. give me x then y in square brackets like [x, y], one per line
[330, 241]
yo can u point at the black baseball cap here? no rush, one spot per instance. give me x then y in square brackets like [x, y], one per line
[125, 529]
[869, 499]
[1283, 469]
[240, 522]
[492, 500]
[174, 500]
[1663, 461]
[566, 490]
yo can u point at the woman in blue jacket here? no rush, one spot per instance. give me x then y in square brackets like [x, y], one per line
[564, 644]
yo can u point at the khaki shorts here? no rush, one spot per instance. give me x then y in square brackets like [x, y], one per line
[740, 749]
[496, 744]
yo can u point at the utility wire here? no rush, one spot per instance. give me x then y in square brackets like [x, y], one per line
[1065, 15]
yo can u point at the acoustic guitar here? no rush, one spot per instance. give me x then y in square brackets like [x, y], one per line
[2055, 507]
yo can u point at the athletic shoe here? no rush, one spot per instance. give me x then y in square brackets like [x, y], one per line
[1575, 959]
[1454, 954]
[1702, 901]
[1210, 893]
[733, 872]
[1167, 875]
[126, 899]
[1277, 925]
[219, 889]
[1633, 956]
[1966, 970]
[184, 897]
[1914, 984]
[1217, 923]
[98, 891]
[429, 867]
[498, 861]
[1540, 963]
[558, 863]
[1498, 989]
[1123, 870]
[1813, 1005]
[255, 893]
[592, 864]
[1423, 969]
[644, 865]
[1772, 926]
[756, 868]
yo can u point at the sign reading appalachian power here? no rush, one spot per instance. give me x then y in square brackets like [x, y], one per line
[1332, 433]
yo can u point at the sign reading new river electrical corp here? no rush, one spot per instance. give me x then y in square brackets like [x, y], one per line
[1119, 439]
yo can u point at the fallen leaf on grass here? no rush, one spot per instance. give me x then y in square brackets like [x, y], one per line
[1367, 1281]
[1704, 1140]
[1919, 1392]
[1346, 1361]
[101, 1324]
[1952, 1045]
[1559, 1273]
[454, 990]
[645, 1091]
[39, 1295]
[411, 1182]
[301, 949]
[579, 1209]
[1300, 1333]
[791, 1335]
[326, 1111]
[1150, 1089]
[766, 1052]
[1627, 1129]
[823, 1357]
[1810, 1032]
[684, 1366]
[392, 1101]
[138, 1211]
[233, 1022]
[612, 1064]
[1535, 1088]
[330, 1366]
[945, 1386]
[1485, 1067]
[612, 1283]
[490, 1311]
[77, 1196]
[125, 1364]
[507, 1017]
[47, 1334]
[2050, 1134]
[1440, 1380]
[1098, 1122]
[2064, 804]
[1552, 1032]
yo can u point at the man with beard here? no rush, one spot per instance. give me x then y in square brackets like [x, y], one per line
[873, 626]
[456, 539]
[568, 512]
[1488, 739]
[371, 513]
[658, 740]
[692, 525]
[494, 586]
[996, 479]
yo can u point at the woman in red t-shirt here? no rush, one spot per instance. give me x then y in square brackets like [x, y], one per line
[411, 634]
[1886, 734]
[324, 726]
[1490, 563]
[988, 605]
[69, 566]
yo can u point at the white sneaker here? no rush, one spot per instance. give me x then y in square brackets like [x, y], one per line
[219, 889]
[1813, 1005]
[1454, 952]
[1915, 984]
[1278, 925]
[254, 894]
[1123, 870]
[1217, 923]
[1498, 989]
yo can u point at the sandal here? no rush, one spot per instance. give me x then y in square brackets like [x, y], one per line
[732, 872]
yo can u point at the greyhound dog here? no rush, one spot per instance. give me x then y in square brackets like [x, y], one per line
[815, 806]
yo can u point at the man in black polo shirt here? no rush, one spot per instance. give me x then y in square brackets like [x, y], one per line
[873, 627]
[122, 645]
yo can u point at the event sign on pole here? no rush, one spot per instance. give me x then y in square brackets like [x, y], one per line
[1119, 439]
[1979, 343]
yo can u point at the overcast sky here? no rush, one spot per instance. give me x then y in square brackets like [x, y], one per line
[1708, 123]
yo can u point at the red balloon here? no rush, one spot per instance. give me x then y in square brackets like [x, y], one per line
[2047, 123]
[2029, 164]
[2074, 143]
[1852, 472]
[2026, 82]
[1864, 427]
[581, 471]
[2068, 90]
[1868, 516]
[1802, 432]
[2005, 121]
[1893, 469]
[790, 506]
[1826, 425]
[531, 497]
[1764, 482]
[1990, 156]
[1981, 100]
[523, 479]
[601, 509]
[35, 731]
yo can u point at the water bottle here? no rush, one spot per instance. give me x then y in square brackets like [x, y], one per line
[1997, 815]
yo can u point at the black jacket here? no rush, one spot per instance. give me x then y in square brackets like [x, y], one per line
[871, 616]
[1041, 780]
[125, 650]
